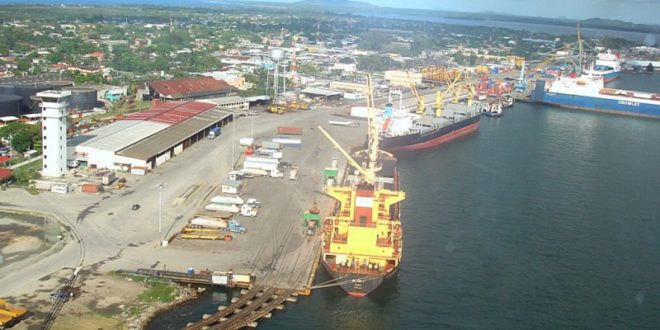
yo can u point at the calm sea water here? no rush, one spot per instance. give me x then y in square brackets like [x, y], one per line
[544, 219]
[650, 38]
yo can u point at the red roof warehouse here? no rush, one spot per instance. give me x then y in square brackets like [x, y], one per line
[190, 88]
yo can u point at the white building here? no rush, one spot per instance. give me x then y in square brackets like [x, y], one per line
[53, 105]
[230, 102]
[403, 78]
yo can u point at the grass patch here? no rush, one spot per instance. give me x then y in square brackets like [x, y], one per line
[159, 292]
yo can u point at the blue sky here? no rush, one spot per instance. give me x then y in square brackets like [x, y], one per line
[637, 11]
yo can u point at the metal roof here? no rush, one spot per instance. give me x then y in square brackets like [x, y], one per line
[171, 112]
[121, 134]
[320, 91]
[190, 87]
[169, 138]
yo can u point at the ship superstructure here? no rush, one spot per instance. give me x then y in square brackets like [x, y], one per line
[607, 67]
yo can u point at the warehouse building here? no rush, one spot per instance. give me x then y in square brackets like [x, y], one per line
[189, 88]
[141, 141]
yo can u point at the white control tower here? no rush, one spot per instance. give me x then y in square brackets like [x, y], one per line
[53, 109]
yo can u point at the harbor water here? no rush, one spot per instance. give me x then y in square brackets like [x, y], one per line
[544, 219]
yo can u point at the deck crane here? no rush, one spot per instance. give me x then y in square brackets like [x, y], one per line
[470, 90]
[421, 107]
[368, 173]
[440, 96]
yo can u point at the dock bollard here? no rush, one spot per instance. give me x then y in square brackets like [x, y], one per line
[268, 315]
[206, 316]
[252, 325]
[292, 299]
[233, 300]
[280, 307]
[220, 308]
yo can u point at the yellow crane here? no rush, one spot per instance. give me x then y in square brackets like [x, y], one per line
[368, 173]
[421, 107]
[440, 96]
[470, 90]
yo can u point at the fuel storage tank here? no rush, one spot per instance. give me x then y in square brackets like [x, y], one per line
[82, 98]
[10, 105]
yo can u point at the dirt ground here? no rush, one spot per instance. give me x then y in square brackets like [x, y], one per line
[103, 301]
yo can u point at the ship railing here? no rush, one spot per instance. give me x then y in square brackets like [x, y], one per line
[361, 269]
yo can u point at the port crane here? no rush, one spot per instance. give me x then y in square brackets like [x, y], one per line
[421, 107]
[440, 96]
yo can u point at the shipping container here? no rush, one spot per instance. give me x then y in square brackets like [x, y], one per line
[271, 145]
[91, 188]
[246, 141]
[286, 130]
[288, 142]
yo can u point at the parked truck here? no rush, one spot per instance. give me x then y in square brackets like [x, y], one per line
[235, 227]
[214, 133]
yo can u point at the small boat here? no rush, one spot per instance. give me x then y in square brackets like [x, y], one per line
[492, 109]
[507, 101]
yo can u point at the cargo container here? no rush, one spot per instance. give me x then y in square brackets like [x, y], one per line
[109, 178]
[247, 165]
[271, 145]
[288, 142]
[265, 160]
[61, 188]
[246, 141]
[272, 153]
[91, 188]
[287, 130]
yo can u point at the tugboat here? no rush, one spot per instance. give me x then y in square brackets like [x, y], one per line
[363, 239]
[492, 109]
